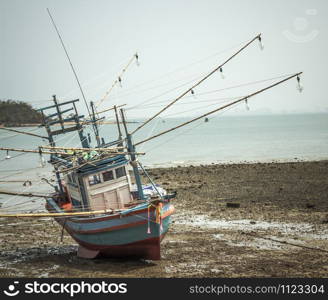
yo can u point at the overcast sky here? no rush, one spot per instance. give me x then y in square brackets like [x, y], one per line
[178, 41]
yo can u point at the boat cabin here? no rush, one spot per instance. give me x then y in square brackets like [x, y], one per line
[100, 187]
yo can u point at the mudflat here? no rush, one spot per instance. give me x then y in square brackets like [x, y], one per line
[234, 220]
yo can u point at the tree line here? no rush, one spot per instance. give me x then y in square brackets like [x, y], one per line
[17, 113]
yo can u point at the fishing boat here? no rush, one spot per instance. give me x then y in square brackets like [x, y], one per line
[125, 220]
[106, 209]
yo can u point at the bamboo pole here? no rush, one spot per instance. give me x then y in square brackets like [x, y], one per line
[64, 153]
[41, 215]
[73, 123]
[196, 84]
[220, 108]
[23, 132]
[30, 194]
[32, 151]
[114, 150]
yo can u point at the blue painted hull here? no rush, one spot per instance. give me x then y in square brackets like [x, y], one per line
[128, 233]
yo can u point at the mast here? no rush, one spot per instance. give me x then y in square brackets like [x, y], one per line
[131, 150]
[118, 125]
[94, 123]
[48, 122]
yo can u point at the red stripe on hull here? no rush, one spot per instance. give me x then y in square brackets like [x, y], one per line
[124, 226]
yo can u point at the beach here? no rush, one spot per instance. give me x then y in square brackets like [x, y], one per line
[231, 220]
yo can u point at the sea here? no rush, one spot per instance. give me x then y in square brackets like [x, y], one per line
[224, 139]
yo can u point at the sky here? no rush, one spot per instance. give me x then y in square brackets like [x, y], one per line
[178, 42]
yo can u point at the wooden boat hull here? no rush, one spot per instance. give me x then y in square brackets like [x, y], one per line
[130, 233]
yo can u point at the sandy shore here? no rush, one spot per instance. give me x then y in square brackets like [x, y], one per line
[242, 220]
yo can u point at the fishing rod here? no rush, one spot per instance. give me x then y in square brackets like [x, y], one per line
[119, 78]
[218, 68]
[222, 107]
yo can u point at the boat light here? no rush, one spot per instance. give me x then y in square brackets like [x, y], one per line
[299, 85]
[221, 72]
[137, 59]
[260, 43]
[246, 104]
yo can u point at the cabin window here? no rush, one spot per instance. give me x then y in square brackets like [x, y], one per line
[94, 179]
[108, 175]
[120, 172]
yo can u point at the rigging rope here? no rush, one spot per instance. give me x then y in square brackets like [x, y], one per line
[192, 128]
[118, 80]
[218, 90]
[198, 83]
[187, 66]
[220, 108]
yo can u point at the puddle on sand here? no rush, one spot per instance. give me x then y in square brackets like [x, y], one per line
[203, 221]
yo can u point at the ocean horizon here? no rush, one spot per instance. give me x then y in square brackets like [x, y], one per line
[222, 139]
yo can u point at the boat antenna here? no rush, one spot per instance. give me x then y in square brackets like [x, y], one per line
[70, 62]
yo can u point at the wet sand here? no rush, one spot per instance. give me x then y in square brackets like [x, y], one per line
[241, 220]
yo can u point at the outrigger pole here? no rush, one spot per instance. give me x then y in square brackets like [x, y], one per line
[218, 68]
[41, 215]
[40, 151]
[30, 194]
[33, 151]
[220, 108]
[114, 150]
[24, 132]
